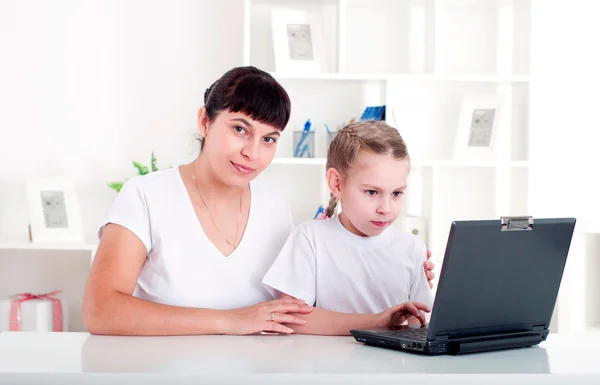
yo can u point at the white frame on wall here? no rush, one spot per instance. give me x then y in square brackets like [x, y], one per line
[40, 231]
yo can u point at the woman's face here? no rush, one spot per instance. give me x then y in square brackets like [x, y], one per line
[237, 147]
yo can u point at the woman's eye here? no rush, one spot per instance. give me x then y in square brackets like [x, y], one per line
[371, 192]
[398, 193]
[270, 140]
[239, 129]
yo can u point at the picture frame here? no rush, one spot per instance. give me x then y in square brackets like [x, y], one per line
[298, 41]
[54, 212]
[479, 132]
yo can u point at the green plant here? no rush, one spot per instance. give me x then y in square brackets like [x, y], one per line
[142, 170]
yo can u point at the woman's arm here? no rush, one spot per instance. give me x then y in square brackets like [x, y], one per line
[326, 322]
[110, 308]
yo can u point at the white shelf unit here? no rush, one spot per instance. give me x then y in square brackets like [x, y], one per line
[42, 268]
[16, 245]
[419, 58]
[472, 38]
[401, 77]
[428, 163]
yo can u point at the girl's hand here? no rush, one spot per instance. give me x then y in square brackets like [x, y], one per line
[266, 316]
[398, 314]
[428, 266]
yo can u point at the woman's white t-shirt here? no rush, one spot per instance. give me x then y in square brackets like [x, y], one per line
[331, 268]
[183, 267]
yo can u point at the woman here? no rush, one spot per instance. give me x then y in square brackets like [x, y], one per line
[184, 250]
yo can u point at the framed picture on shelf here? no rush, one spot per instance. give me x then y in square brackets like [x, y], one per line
[54, 213]
[298, 41]
[479, 128]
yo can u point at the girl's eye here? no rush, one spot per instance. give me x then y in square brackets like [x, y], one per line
[398, 193]
[270, 140]
[371, 192]
[239, 129]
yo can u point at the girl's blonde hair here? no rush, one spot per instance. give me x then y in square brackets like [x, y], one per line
[374, 136]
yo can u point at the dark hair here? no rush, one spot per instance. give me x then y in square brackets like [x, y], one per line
[251, 91]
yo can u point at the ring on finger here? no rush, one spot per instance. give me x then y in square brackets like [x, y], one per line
[272, 316]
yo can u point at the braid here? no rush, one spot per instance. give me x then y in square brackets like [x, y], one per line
[331, 206]
[350, 132]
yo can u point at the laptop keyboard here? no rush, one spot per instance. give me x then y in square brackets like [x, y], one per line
[413, 334]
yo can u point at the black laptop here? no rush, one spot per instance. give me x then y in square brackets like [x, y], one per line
[497, 288]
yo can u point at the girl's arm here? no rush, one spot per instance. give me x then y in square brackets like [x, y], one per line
[110, 308]
[326, 322]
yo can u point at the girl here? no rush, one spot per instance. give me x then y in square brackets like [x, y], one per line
[356, 269]
[182, 251]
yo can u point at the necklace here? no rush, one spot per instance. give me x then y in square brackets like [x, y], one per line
[234, 244]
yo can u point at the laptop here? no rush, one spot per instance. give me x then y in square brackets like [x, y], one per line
[497, 289]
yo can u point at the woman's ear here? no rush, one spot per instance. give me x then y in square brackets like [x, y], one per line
[334, 181]
[203, 122]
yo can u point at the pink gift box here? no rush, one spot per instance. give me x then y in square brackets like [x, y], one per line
[33, 312]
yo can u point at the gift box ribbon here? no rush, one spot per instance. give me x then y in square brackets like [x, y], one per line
[14, 322]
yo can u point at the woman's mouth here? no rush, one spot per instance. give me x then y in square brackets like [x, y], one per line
[242, 169]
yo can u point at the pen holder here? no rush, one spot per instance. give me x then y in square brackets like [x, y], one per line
[304, 144]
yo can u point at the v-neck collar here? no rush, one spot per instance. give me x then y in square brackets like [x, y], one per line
[196, 220]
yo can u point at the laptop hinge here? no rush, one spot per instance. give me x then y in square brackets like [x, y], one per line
[538, 327]
[516, 223]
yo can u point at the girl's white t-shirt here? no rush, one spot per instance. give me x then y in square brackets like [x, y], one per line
[183, 267]
[329, 267]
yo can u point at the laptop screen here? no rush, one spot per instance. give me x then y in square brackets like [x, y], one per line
[498, 280]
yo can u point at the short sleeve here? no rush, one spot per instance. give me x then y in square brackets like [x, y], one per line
[419, 289]
[294, 270]
[130, 210]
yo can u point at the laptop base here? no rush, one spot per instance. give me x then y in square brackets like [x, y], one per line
[456, 347]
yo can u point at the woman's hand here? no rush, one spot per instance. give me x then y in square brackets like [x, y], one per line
[398, 314]
[266, 316]
[428, 266]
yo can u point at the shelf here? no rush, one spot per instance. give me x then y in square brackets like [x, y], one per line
[326, 76]
[5, 245]
[300, 161]
[403, 77]
[484, 78]
[288, 2]
[428, 163]
[470, 164]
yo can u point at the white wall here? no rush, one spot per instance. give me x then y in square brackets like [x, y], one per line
[565, 144]
[86, 86]
[565, 136]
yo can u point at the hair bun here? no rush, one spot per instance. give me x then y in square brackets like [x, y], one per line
[207, 92]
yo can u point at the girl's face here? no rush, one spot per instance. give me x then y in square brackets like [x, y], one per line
[372, 193]
[237, 147]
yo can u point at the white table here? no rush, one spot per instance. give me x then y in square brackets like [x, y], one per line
[78, 358]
